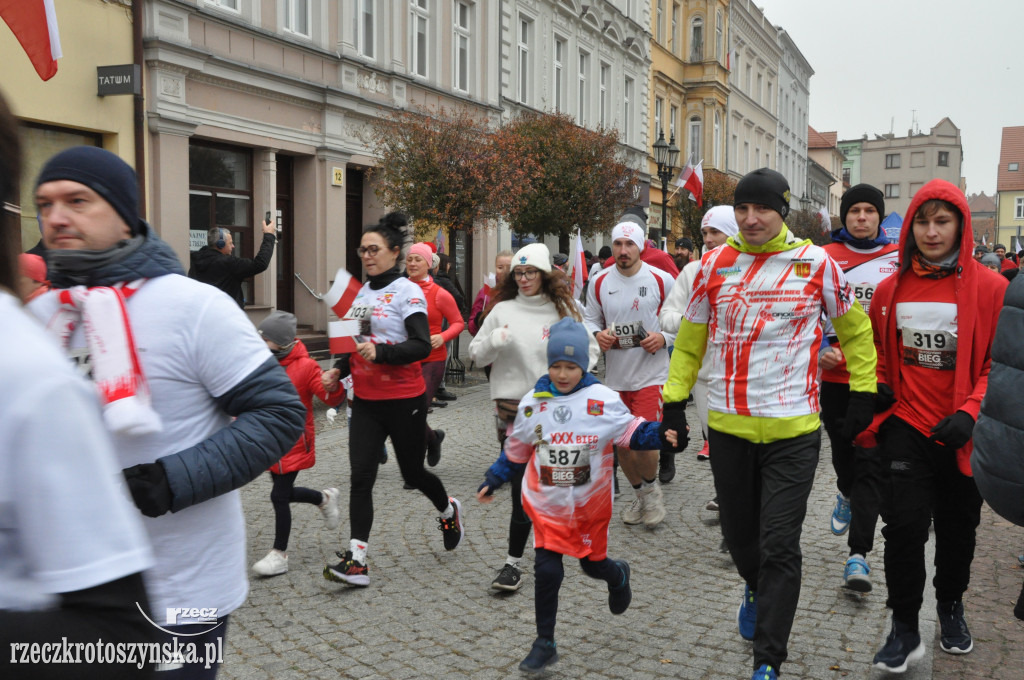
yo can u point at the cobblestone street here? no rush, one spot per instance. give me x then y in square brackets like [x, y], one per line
[430, 613]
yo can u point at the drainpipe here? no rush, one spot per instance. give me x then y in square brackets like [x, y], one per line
[140, 111]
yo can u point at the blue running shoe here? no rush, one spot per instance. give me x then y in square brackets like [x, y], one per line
[855, 575]
[746, 617]
[543, 653]
[841, 515]
[765, 672]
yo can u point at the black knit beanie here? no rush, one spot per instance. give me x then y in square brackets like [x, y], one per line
[764, 187]
[862, 193]
[103, 172]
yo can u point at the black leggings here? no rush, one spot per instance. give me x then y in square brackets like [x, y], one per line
[404, 420]
[282, 496]
[548, 574]
[519, 524]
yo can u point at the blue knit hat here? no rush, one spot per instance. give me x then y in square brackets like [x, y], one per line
[568, 340]
[103, 172]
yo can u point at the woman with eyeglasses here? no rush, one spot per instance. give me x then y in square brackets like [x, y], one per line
[441, 306]
[389, 394]
[513, 339]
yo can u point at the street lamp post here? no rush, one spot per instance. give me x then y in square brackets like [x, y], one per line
[666, 156]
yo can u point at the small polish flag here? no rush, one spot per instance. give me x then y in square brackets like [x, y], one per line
[339, 298]
[825, 220]
[34, 24]
[342, 336]
[692, 179]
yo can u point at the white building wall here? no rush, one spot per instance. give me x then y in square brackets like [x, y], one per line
[793, 105]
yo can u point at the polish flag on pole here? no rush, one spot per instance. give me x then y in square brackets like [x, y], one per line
[692, 179]
[343, 336]
[983, 242]
[34, 24]
[579, 266]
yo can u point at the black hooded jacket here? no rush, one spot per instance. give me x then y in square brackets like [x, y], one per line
[227, 272]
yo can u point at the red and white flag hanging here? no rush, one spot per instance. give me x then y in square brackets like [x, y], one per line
[692, 179]
[34, 24]
[825, 220]
[579, 266]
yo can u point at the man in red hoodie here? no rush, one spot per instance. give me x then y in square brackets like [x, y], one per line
[933, 322]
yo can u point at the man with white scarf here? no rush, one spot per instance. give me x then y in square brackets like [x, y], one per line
[183, 418]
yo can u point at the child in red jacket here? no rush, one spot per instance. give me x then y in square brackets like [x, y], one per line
[278, 331]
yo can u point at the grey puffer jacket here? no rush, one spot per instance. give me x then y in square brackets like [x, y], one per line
[998, 458]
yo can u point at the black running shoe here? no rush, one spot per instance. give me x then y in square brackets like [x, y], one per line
[348, 571]
[444, 395]
[451, 527]
[899, 650]
[667, 467]
[620, 596]
[434, 449]
[955, 637]
[509, 578]
[542, 654]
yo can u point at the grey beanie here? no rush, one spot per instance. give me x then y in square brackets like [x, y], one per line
[279, 327]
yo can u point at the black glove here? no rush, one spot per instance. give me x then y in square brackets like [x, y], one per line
[674, 418]
[953, 431]
[885, 398]
[492, 483]
[860, 411]
[149, 487]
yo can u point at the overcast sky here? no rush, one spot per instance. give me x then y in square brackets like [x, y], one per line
[878, 64]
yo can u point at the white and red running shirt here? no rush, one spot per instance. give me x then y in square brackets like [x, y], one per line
[763, 313]
[864, 269]
[629, 306]
[381, 315]
[567, 441]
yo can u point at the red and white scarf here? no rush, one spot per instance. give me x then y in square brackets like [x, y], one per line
[116, 371]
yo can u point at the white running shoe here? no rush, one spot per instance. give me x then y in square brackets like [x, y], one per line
[274, 564]
[634, 513]
[329, 508]
[654, 505]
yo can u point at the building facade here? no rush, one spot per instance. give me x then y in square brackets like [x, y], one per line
[827, 188]
[67, 110]
[899, 166]
[1010, 187]
[793, 106]
[752, 121]
[851, 149]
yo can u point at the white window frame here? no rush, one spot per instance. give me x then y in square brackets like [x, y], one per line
[673, 38]
[673, 119]
[1012, 167]
[583, 91]
[561, 48]
[524, 32]
[291, 10]
[695, 138]
[719, 42]
[1019, 209]
[697, 46]
[419, 41]
[627, 111]
[228, 5]
[940, 159]
[659, 108]
[659, 22]
[462, 59]
[717, 141]
[365, 36]
[606, 71]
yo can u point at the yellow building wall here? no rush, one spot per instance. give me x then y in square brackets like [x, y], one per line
[1006, 220]
[92, 33]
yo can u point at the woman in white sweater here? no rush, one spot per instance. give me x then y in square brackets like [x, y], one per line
[513, 341]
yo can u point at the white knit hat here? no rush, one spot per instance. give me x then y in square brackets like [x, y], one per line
[630, 230]
[534, 255]
[722, 218]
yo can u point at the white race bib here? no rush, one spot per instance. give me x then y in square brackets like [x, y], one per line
[629, 333]
[564, 465]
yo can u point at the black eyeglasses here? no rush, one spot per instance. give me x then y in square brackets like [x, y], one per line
[372, 250]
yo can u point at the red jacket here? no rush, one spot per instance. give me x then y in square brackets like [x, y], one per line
[654, 257]
[441, 306]
[979, 298]
[305, 375]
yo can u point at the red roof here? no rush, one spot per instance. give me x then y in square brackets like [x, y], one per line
[981, 203]
[821, 140]
[1011, 151]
